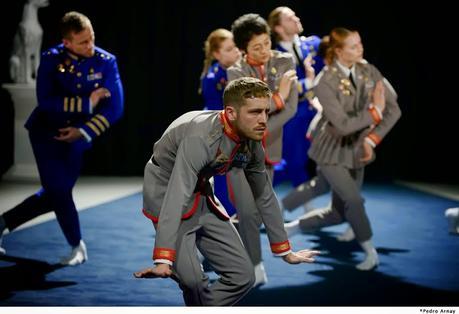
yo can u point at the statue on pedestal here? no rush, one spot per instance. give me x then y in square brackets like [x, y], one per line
[25, 56]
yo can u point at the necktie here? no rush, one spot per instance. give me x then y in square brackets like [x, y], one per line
[352, 79]
[297, 55]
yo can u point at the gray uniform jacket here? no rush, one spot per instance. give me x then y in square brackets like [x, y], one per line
[196, 146]
[280, 110]
[347, 117]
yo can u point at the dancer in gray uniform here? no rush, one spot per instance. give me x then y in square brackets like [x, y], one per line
[252, 36]
[178, 197]
[359, 109]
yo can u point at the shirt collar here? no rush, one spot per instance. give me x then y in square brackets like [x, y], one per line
[228, 128]
[346, 70]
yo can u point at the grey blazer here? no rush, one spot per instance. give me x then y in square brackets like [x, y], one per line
[347, 117]
[271, 73]
[196, 146]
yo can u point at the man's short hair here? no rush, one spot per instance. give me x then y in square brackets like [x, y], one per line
[247, 26]
[73, 22]
[237, 91]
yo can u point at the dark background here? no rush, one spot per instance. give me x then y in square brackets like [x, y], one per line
[159, 50]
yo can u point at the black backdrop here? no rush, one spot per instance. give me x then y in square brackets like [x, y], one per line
[159, 50]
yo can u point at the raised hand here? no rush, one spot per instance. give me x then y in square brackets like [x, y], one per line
[310, 72]
[378, 97]
[367, 152]
[286, 82]
[98, 94]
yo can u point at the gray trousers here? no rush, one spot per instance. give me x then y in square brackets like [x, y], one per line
[306, 192]
[221, 245]
[347, 203]
[247, 211]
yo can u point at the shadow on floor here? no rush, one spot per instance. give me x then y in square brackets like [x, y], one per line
[26, 274]
[343, 285]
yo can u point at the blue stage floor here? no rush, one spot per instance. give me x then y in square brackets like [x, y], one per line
[419, 260]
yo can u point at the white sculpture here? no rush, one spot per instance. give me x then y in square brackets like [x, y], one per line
[27, 44]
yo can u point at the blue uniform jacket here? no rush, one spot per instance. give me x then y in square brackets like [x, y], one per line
[213, 85]
[309, 46]
[64, 84]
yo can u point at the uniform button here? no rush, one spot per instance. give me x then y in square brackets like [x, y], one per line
[78, 85]
[96, 85]
[79, 74]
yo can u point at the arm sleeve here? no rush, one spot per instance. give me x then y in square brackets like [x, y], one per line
[192, 156]
[267, 203]
[110, 109]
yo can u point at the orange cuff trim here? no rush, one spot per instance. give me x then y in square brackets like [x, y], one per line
[280, 247]
[164, 253]
[278, 101]
[375, 138]
[375, 115]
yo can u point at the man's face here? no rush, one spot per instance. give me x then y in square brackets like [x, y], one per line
[290, 22]
[259, 48]
[82, 43]
[250, 120]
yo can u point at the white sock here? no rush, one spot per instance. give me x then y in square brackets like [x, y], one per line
[292, 227]
[78, 255]
[347, 236]
[260, 275]
[371, 257]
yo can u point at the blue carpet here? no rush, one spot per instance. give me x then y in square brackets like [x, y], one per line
[419, 260]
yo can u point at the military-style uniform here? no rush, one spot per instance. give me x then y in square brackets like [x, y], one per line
[319, 185]
[178, 198]
[295, 143]
[212, 87]
[348, 120]
[64, 84]
[279, 113]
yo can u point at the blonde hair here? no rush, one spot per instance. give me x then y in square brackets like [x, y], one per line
[73, 22]
[274, 20]
[238, 90]
[213, 44]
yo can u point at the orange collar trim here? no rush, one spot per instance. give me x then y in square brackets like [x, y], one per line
[228, 128]
[252, 62]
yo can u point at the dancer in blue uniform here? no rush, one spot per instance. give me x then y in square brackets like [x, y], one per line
[286, 27]
[80, 96]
